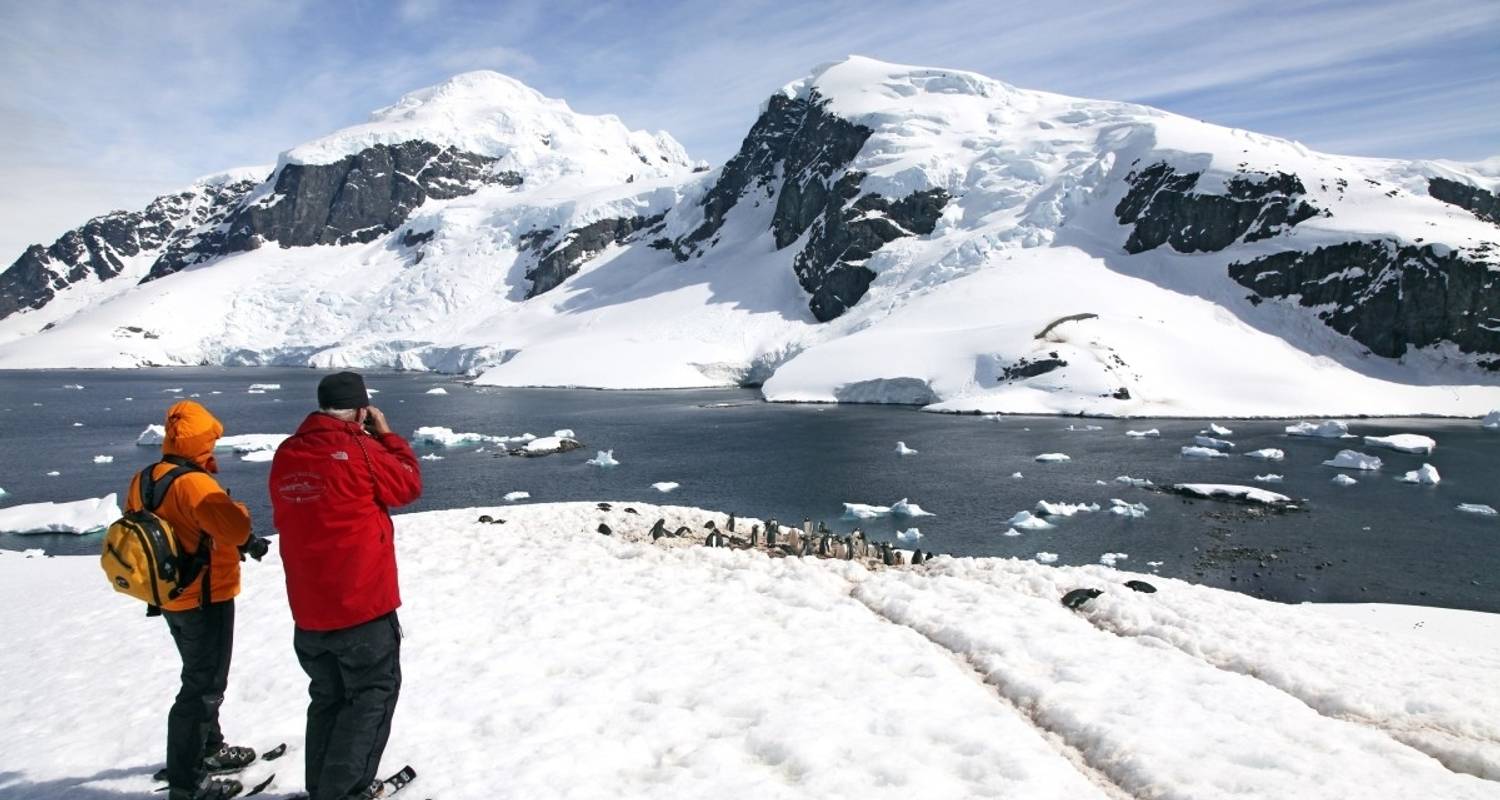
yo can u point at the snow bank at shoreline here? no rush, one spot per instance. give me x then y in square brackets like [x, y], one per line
[799, 678]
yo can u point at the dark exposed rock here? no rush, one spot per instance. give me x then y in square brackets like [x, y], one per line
[1387, 296]
[97, 248]
[580, 245]
[1164, 209]
[1479, 202]
[1030, 368]
[358, 198]
[799, 153]
[413, 238]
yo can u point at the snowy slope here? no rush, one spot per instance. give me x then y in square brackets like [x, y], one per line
[595, 666]
[612, 263]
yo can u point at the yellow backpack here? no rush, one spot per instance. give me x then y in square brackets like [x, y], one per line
[142, 557]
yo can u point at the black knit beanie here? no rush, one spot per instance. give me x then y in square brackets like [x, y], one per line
[343, 390]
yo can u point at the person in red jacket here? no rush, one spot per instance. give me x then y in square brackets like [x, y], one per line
[332, 485]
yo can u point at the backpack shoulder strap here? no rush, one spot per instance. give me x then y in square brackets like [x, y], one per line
[153, 491]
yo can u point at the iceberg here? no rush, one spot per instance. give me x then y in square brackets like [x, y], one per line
[1129, 510]
[1270, 477]
[104, 459]
[665, 486]
[1109, 559]
[1343, 480]
[605, 458]
[902, 508]
[903, 450]
[446, 437]
[252, 442]
[259, 456]
[1139, 483]
[1046, 558]
[77, 516]
[1477, 508]
[1047, 509]
[152, 435]
[547, 445]
[1202, 452]
[1353, 459]
[1215, 429]
[1209, 441]
[437, 390]
[432, 457]
[1328, 429]
[514, 496]
[1148, 434]
[1427, 476]
[1266, 454]
[1403, 442]
[1048, 458]
[909, 535]
[1027, 521]
[1233, 492]
[264, 387]
[1491, 421]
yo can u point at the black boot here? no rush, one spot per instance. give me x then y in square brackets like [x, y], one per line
[209, 789]
[228, 758]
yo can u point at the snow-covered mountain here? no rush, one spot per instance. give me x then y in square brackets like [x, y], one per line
[885, 233]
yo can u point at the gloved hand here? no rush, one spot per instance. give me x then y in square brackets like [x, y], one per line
[256, 548]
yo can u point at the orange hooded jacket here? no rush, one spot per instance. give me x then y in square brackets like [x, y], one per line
[196, 503]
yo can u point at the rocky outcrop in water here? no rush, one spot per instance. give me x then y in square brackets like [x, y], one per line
[1479, 202]
[578, 246]
[1387, 296]
[800, 153]
[358, 198]
[1164, 209]
[169, 224]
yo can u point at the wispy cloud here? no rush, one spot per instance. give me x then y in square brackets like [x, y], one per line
[107, 104]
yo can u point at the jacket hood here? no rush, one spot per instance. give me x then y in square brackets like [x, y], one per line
[192, 433]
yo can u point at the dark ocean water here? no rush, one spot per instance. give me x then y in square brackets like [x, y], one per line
[1377, 541]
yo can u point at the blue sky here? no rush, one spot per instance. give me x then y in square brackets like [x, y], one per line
[107, 104]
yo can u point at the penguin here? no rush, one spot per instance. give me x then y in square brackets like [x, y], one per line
[710, 525]
[807, 546]
[604, 506]
[711, 540]
[917, 558]
[823, 528]
[730, 526]
[682, 531]
[771, 534]
[898, 558]
[1076, 598]
[885, 553]
[629, 510]
[755, 536]
[659, 529]
[807, 525]
[486, 518]
[604, 529]
[848, 553]
[1141, 586]
[824, 550]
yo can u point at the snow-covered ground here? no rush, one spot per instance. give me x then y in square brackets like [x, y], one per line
[1034, 176]
[608, 666]
[77, 516]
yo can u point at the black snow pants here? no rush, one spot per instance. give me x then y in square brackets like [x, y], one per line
[205, 640]
[356, 678]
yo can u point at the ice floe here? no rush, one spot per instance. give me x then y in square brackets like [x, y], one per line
[104, 459]
[1427, 476]
[1046, 558]
[1343, 480]
[1109, 559]
[432, 457]
[1048, 509]
[258, 456]
[1215, 429]
[1268, 478]
[1148, 434]
[1209, 441]
[1124, 509]
[1234, 492]
[77, 386]
[53, 474]
[909, 535]
[1048, 458]
[1016, 475]
[665, 486]
[1192, 451]
[1353, 459]
[152, 435]
[446, 437]
[1011, 532]
[604, 458]
[77, 516]
[437, 390]
[252, 442]
[1491, 421]
[547, 445]
[1026, 521]
[1403, 442]
[264, 387]
[1266, 454]
[901, 508]
[903, 450]
[1139, 483]
[1477, 508]
[1328, 429]
[1084, 428]
[511, 497]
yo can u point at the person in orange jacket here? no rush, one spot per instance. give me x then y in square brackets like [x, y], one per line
[208, 523]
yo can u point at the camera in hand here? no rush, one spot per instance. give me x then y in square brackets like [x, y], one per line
[256, 548]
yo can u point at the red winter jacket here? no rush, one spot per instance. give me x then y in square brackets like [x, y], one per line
[331, 486]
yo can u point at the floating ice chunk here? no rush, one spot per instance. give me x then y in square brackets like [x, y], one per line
[1027, 521]
[1109, 559]
[863, 511]
[264, 387]
[1085, 428]
[258, 456]
[665, 486]
[432, 457]
[1124, 509]
[1268, 478]
[1403, 442]
[1491, 421]
[152, 435]
[78, 516]
[605, 458]
[1266, 454]
[902, 508]
[1215, 429]
[53, 474]
[1427, 476]
[1343, 480]
[547, 445]
[446, 437]
[1328, 429]
[903, 450]
[1209, 441]
[255, 391]
[565, 433]
[1011, 532]
[78, 424]
[1047, 509]
[511, 497]
[78, 386]
[1048, 458]
[1249, 493]
[1150, 434]
[1154, 564]
[104, 459]
[1016, 475]
[1046, 558]
[1353, 459]
[1477, 508]
[1202, 452]
[252, 442]
[437, 390]
[1139, 483]
[216, 391]
[2, 491]
[177, 390]
[909, 535]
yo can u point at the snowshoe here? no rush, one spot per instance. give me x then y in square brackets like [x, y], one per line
[227, 759]
[209, 789]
